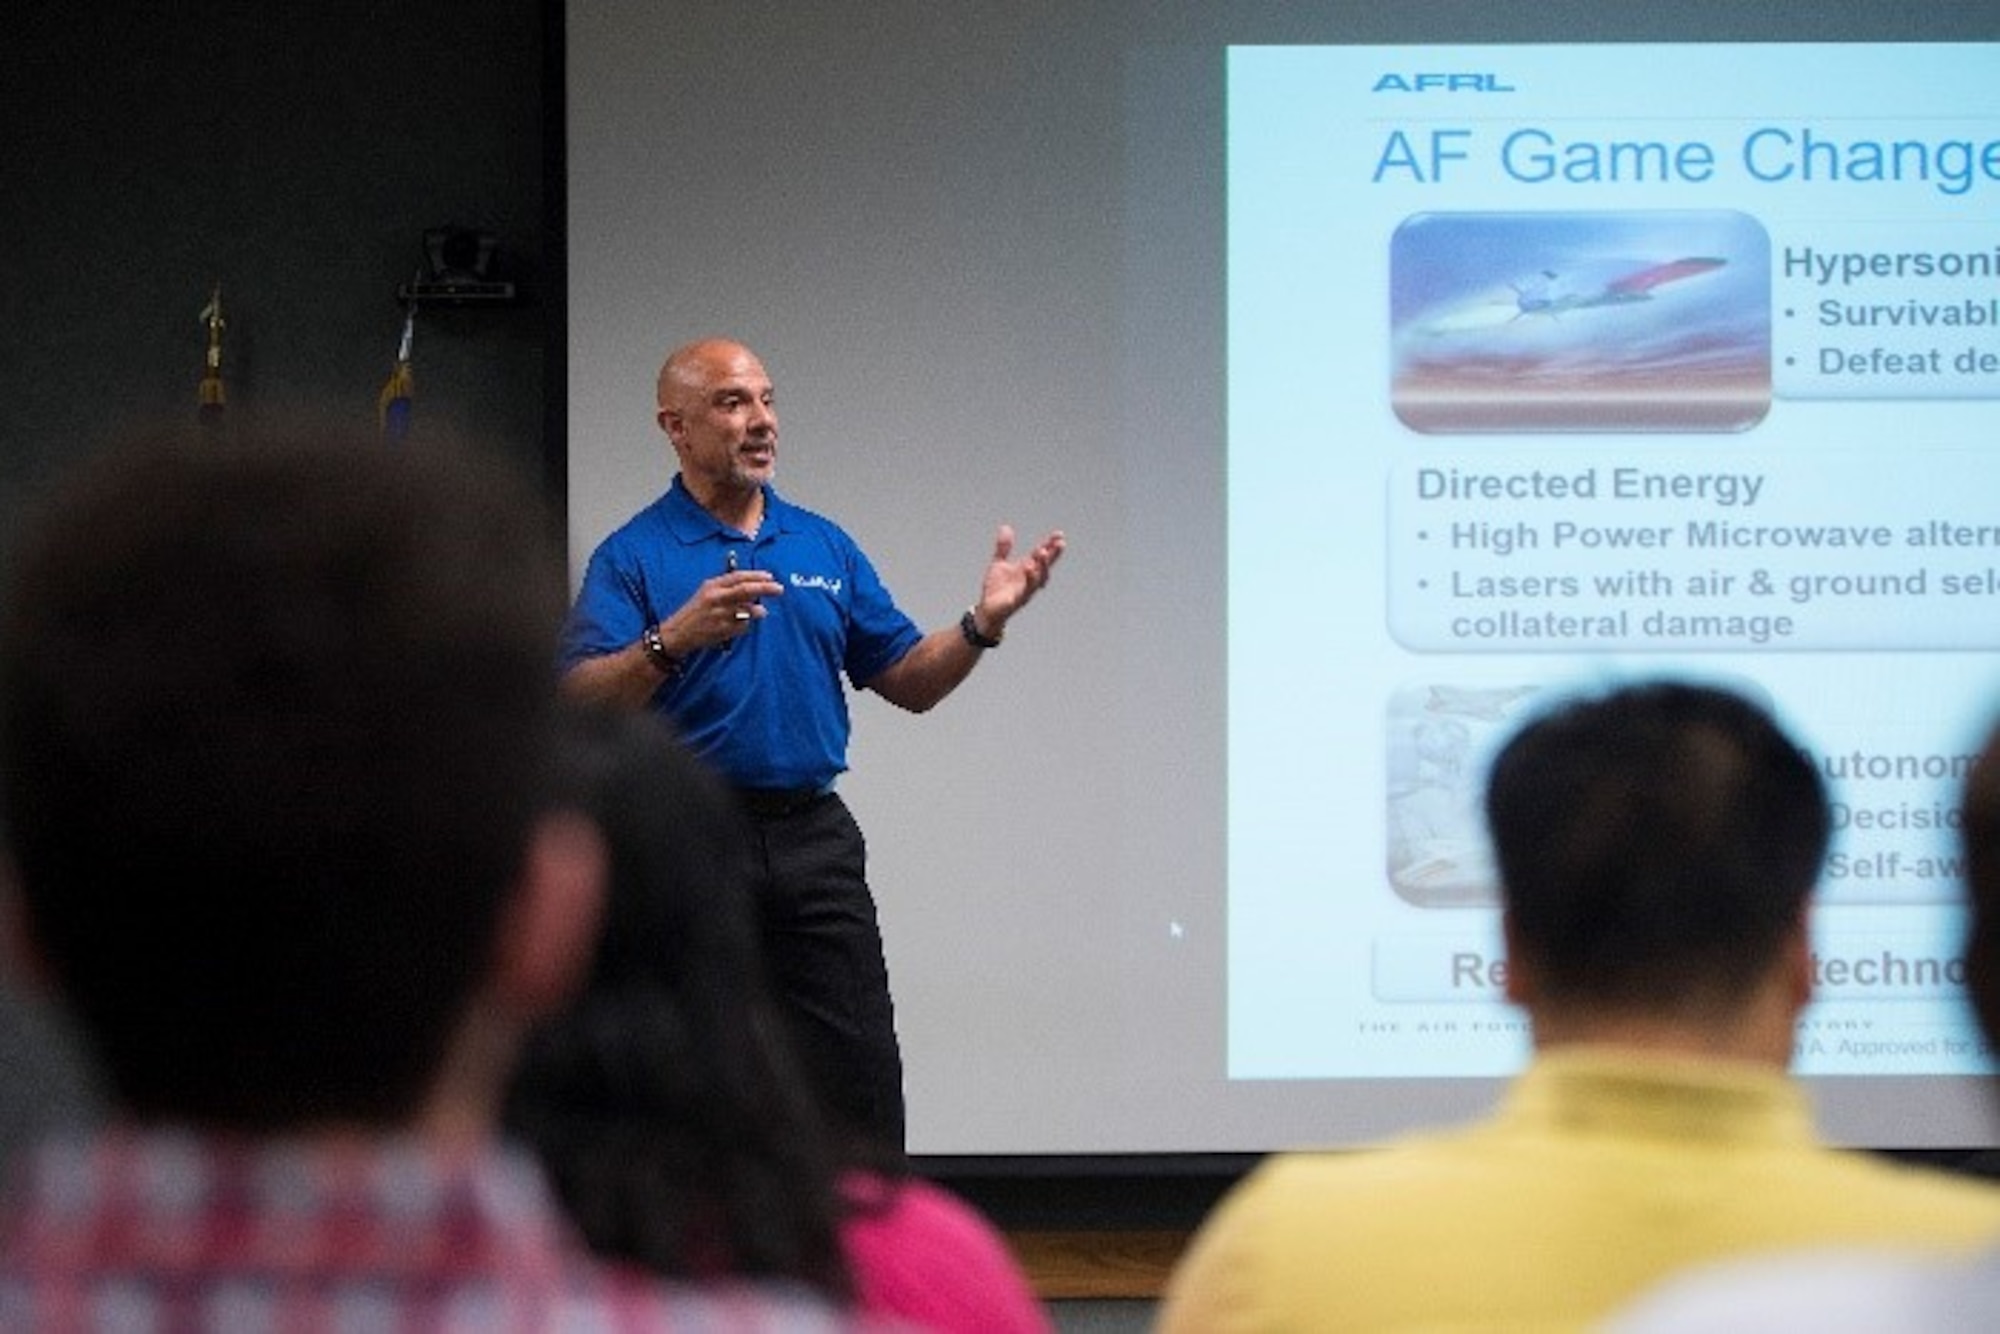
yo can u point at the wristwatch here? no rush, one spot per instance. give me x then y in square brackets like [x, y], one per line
[656, 652]
[968, 625]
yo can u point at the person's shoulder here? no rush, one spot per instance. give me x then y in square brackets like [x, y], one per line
[1923, 1189]
[915, 1204]
[797, 518]
[637, 539]
[1296, 1202]
[1393, 1162]
[646, 521]
[922, 1251]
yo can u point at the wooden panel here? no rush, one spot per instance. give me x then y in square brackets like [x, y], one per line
[1098, 1263]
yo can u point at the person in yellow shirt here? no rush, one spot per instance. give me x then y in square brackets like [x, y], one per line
[1657, 846]
[1872, 1289]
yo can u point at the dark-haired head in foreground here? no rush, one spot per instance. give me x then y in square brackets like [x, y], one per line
[276, 744]
[277, 741]
[1657, 848]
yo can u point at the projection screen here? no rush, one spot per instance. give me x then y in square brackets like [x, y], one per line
[1390, 371]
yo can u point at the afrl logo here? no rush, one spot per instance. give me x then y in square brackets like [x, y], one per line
[1441, 83]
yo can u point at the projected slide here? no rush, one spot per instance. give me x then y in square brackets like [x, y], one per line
[1555, 365]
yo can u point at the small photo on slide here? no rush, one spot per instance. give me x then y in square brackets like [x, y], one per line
[1653, 321]
[1440, 740]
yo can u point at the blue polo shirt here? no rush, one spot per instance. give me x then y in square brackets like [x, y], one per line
[769, 710]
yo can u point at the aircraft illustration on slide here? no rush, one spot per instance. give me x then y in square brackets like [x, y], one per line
[1552, 293]
[1546, 297]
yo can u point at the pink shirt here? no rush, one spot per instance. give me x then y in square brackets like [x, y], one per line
[928, 1256]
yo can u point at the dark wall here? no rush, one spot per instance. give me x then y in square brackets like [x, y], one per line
[295, 153]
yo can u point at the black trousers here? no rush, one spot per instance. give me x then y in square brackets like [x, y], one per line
[823, 945]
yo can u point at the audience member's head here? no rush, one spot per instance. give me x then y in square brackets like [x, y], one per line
[275, 735]
[664, 1100]
[1657, 847]
[667, 1101]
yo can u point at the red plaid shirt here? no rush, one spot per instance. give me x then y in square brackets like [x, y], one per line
[159, 1231]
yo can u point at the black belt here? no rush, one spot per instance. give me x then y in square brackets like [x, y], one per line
[770, 802]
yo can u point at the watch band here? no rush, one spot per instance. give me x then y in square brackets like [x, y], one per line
[968, 625]
[656, 653]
